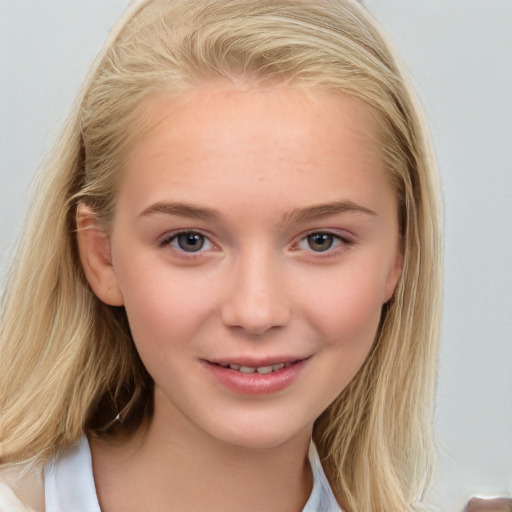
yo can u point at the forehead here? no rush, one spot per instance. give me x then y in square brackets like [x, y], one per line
[301, 138]
[216, 110]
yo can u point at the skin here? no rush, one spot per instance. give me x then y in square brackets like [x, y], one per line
[261, 288]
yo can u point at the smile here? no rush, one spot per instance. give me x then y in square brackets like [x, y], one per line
[257, 379]
[260, 369]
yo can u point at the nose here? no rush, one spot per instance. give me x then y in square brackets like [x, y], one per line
[257, 301]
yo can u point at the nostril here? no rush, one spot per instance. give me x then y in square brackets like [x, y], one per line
[255, 317]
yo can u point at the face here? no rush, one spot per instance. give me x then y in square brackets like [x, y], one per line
[254, 242]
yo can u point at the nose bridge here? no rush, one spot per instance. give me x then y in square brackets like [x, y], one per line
[257, 300]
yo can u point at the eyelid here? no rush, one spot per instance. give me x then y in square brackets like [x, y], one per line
[344, 238]
[165, 241]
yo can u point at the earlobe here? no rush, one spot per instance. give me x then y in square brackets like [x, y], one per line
[95, 256]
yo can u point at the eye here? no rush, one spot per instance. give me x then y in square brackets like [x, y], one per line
[190, 241]
[319, 242]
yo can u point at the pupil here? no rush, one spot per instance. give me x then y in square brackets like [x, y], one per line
[320, 241]
[191, 242]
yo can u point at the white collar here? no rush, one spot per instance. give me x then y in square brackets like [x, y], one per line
[69, 481]
[321, 498]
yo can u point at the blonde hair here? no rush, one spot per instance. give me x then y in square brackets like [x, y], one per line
[68, 361]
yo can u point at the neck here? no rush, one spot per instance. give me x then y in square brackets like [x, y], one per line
[174, 467]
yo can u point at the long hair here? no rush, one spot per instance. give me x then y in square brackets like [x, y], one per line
[68, 362]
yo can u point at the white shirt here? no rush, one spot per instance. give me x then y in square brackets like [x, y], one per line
[69, 483]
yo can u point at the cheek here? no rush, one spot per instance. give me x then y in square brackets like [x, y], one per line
[165, 307]
[352, 333]
[160, 314]
[162, 324]
[347, 315]
[346, 321]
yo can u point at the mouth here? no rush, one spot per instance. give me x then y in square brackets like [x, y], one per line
[262, 370]
[256, 377]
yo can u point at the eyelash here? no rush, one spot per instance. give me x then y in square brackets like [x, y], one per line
[337, 240]
[174, 237]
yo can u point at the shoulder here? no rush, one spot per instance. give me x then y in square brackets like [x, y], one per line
[21, 489]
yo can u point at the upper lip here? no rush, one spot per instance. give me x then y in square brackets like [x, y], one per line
[253, 362]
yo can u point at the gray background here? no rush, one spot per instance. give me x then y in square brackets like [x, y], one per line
[459, 54]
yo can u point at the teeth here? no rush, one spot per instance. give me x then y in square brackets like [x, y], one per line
[247, 369]
[261, 369]
[264, 369]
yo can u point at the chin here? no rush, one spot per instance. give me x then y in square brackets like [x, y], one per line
[262, 438]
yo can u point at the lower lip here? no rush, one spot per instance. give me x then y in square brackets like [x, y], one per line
[256, 383]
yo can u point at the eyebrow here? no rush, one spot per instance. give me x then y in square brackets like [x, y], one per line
[295, 216]
[181, 210]
[323, 210]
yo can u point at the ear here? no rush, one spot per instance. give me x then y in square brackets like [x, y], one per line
[95, 256]
[394, 274]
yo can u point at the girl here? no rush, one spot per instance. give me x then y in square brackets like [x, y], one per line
[227, 293]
